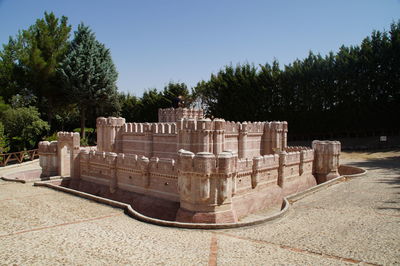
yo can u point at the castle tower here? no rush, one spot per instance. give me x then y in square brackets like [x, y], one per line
[68, 148]
[107, 133]
[205, 187]
[326, 160]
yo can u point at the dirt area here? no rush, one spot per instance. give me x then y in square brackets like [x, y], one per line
[346, 156]
[353, 222]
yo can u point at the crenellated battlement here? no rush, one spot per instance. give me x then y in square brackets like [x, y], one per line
[266, 161]
[292, 157]
[176, 114]
[110, 121]
[276, 126]
[296, 148]
[204, 124]
[203, 163]
[163, 166]
[187, 124]
[307, 155]
[101, 121]
[48, 154]
[232, 127]
[165, 128]
[196, 134]
[228, 127]
[47, 147]
[207, 163]
[245, 164]
[217, 170]
[68, 136]
[140, 128]
[127, 160]
[245, 127]
[97, 157]
[326, 147]
[84, 155]
[254, 127]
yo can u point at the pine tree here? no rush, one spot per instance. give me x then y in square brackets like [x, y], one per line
[29, 61]
[88, 73]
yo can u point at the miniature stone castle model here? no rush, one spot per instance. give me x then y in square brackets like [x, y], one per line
[217, 171]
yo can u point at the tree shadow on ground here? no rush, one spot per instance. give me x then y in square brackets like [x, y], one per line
[382, 151]
[389, 208]
[389, 163]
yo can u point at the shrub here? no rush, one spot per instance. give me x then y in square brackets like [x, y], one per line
[24, 127]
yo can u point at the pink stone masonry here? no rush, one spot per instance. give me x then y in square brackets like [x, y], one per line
[216, 170]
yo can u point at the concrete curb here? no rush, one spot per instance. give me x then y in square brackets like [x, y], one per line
[131, 212]
[28, 176]
[295, 197]
[13, 179]
[361, 171]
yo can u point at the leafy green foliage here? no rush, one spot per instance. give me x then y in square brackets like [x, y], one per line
[26, 98]
[145, 109]
[28, 65]
[24, 127]
[3, 140]
[130, 107]
[3, 106]
[90, 138]
[353, 92]
[52, 137]
[10, 78]
[150, 102]
[38, 52]
[66, 118]
[88, 74]
[234, 93]
[174, 90]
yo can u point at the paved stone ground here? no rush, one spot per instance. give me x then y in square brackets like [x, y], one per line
[355, 222]
[14, 168]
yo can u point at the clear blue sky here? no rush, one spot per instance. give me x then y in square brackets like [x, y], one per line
[156, 41]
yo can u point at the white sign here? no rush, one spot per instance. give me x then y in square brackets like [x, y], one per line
[383, 138]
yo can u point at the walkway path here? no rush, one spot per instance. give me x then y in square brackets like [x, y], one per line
[355, 222]
[13, 168]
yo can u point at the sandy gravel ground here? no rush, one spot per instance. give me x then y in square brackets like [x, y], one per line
[354, 222]
[14, 168]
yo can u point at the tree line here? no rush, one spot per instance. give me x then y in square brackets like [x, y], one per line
[354, 92]
[52, 81]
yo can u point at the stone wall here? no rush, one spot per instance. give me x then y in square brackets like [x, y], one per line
[48, 158]
[246, 139]
[60, 157]
[176, 114]
[163, 140]
[223, 188]
[209, 188]
[139, 174]
[108, 130]
[148, 139]
[218, 171]
[326, 164]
